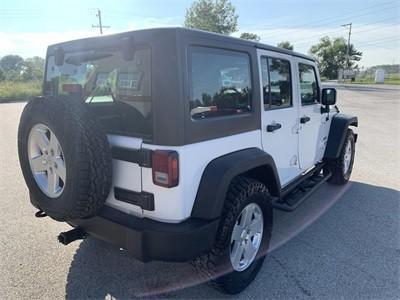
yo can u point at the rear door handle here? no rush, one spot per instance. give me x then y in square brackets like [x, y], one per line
[273, 127]
[304, 119]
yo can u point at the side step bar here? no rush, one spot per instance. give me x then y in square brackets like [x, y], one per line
[297, 192]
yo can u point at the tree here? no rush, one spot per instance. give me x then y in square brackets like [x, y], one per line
[285, 45]
[11, 75]
[32, 69]
[212, 15]
[11, 62]
[2, 75]
[331, 56]
[250, 36]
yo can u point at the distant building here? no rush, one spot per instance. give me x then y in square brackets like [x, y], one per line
[380, 76]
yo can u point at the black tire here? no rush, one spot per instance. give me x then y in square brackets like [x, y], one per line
[86, 151]
[215, 266]
[336, 166]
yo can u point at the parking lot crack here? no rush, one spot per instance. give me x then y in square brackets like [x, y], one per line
[291, 276]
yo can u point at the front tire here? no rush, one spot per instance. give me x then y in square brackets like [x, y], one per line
[246, 221]
[342, 166]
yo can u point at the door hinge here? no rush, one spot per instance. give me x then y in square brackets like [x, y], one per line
[142, 157]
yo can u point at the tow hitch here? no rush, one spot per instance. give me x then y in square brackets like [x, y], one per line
[40, 214]
[69, 236]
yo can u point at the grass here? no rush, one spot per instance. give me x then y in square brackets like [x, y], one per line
[389, 79]
[19, 91]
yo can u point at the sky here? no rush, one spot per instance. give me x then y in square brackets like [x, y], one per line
[27, 26]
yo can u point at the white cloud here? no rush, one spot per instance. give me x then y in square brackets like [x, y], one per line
[28, 44]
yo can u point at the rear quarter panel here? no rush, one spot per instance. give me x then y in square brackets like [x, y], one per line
[175, 204]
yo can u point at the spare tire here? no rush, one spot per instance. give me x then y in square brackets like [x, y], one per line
[65, 157]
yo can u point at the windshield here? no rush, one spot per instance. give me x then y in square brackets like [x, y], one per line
[104, 77]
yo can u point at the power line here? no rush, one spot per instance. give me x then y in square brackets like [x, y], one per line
[333, 20]
[100, 26]
[378, 46]
[384, 40]
[301, 42]
[313, 37]
[374, 27]
[348, 43]
[349, 14]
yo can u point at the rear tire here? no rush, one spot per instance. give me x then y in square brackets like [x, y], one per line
[216, 266]
[342, 166]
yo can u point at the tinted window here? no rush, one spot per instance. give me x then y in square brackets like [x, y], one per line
[102, 78]
[280, 83]
[220, 83]
[265, 82]
[276, 82]
[308, 84]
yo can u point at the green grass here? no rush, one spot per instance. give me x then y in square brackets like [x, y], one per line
[389, 79]
[19, 91]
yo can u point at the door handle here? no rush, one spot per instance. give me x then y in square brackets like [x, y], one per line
[304, 119]
[273, 127]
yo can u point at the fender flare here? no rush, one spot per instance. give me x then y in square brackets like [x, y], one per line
[218, 174]
[337, 134]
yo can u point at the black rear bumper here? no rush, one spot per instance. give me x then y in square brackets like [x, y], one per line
[147, 239]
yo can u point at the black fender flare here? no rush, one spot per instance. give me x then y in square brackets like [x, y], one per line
[218, 174]
[337, 134]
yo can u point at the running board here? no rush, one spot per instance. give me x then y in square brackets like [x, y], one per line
[298, 195]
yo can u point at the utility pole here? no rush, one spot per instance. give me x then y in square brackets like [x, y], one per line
[101, 26]
[348, 44]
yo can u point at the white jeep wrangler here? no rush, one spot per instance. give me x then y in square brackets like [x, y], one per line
[177, 144]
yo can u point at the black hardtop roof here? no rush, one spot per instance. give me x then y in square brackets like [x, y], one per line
[195, 32]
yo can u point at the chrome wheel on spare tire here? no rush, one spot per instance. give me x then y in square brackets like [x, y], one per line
[47, 160]
[246, 237]
[65, 157]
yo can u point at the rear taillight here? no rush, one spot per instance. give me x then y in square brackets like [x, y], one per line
[165, 168]
[48, 88]
[72, 88]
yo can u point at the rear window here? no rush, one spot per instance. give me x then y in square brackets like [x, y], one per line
[117, 89]
[220, 83]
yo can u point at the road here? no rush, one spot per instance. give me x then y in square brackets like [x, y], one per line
[344, 242]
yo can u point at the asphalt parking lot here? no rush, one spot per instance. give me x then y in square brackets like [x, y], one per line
[343, 243]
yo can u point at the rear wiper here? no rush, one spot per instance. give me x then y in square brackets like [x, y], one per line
[92, 94]
[95, 90]
[80, 58]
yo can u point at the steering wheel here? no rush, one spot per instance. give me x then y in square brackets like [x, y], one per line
[225, 90]
[228, 98]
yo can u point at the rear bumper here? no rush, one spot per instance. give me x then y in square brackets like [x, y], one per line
[147, 239]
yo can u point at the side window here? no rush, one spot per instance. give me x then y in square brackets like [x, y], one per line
[220, 83]
[309, 90]
[277, 83]
[265, 82]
